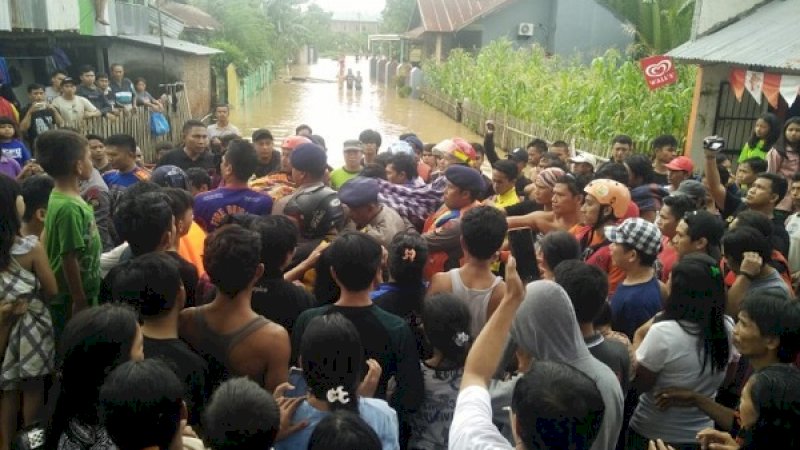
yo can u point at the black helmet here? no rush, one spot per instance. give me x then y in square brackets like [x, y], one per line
[317, 210]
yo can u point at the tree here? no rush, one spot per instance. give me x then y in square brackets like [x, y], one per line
[659, 25]
[396, 15]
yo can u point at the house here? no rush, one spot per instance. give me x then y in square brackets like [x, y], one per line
[39, 36]
[741, 46]
[197, 24]
[354, 22]
[582, 28]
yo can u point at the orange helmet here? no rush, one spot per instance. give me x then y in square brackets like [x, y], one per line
[293, 141]
[611, 193]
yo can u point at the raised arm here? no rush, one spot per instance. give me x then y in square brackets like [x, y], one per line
[713, 183]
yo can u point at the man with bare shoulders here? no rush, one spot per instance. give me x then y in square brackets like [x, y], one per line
[567, 196]
[483, 229]
[234, 339]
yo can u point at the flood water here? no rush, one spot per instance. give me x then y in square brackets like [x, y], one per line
[338, 114]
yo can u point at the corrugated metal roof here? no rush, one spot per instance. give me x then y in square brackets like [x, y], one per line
[191, 16]
[453, 15]
[767, 37]
[172, 44]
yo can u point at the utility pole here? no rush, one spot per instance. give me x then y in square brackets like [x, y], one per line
[161, 38]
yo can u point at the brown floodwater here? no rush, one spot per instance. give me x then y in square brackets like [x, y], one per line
[338, 114]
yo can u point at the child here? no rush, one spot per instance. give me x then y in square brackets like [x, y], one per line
[25, 278]
[151, 283]
[783, 160]
[70, 233]
[403, 295]
[36, 192]
[766, 132]
[447, 323]
[10, 144]
[182, 202]
[9, 167]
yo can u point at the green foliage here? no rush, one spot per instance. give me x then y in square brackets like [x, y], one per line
[254, 31]
[596, 102]
[660, 25]
[397, 15]
[232, 55]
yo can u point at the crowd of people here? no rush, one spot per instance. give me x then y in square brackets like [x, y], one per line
[235, 295]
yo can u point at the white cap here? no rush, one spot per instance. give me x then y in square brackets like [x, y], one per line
[585, 157]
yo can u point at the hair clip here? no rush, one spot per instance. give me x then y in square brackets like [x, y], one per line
[338, 395]
[461, 338]
[409, 255]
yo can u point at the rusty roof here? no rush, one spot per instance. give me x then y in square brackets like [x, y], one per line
[191, 16]
[453, 15]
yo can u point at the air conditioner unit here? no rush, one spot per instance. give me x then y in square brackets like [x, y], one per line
[525, 29]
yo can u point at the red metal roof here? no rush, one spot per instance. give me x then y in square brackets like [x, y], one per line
[453, 15]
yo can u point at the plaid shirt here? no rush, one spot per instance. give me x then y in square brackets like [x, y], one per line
[414, 204]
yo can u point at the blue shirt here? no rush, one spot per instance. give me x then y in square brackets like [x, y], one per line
[211, 208]
[16, 150]
[115, 178]
[377, 413]
[633, 305]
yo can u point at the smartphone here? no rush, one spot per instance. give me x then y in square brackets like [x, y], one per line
[297, 380]
[522, 243]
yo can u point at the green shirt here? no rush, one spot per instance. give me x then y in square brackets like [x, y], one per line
[757, 152]
[70, 227]
[341, 176]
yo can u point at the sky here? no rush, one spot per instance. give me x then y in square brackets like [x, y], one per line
[371, 6]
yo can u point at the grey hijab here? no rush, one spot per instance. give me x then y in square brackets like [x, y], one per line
[546, 328]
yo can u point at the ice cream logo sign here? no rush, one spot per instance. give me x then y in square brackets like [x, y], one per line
[659, 71]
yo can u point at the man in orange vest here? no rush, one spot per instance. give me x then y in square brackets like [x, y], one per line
[442, 230]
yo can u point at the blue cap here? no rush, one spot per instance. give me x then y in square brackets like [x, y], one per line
[359, 191]
[465, 177]
[309, 158]
[415, 142]
[170, 176]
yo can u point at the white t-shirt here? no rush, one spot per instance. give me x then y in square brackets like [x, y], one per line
[73, 110]
[215, 130]
[472, 427]
[672, 352]
[793, 228]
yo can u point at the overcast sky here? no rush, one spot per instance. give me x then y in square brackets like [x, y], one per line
[371, 6]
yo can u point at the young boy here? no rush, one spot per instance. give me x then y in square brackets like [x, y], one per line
[39, 116]
[70, 233]
[483, 229]
[634, 249]
[121, 151]
[199, 181]
[36, 192]
[152, 284]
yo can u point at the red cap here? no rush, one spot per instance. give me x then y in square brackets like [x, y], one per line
[681, 163]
